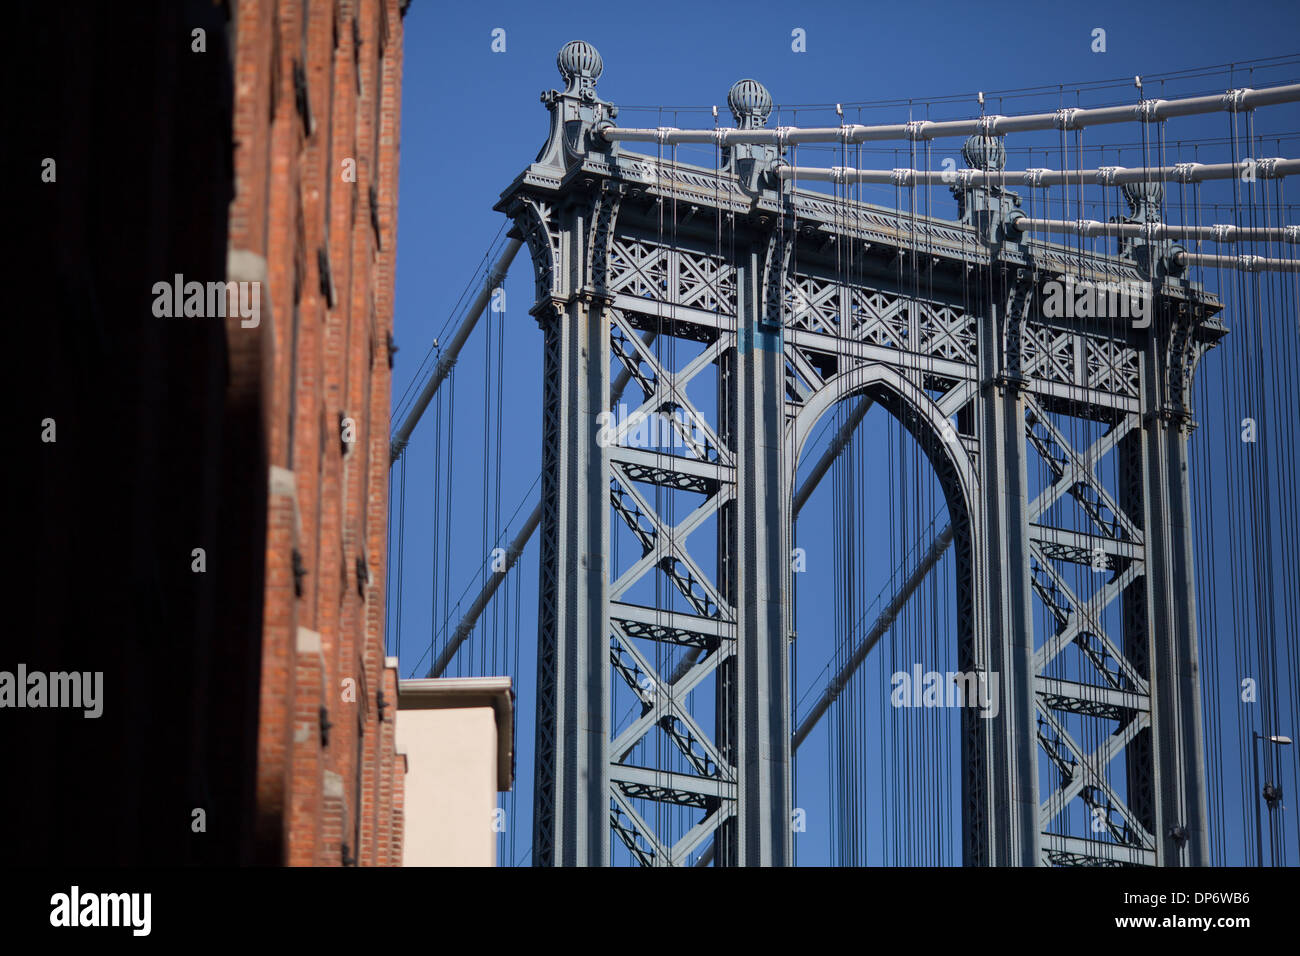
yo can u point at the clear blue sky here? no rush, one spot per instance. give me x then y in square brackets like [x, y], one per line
[471, 121]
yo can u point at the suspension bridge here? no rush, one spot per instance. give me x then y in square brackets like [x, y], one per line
[1085, 633]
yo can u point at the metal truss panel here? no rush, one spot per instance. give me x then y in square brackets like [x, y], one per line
[669, 626]
[666, 786]
[669, 471]
[1061, 850]
[1092, 700]
[665, 704]
[1079, 547]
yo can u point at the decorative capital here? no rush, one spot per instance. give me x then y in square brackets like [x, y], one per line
[751, 104]
[1153, 256]
[1144, 200]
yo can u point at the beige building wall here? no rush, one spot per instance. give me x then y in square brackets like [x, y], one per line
[457, 735]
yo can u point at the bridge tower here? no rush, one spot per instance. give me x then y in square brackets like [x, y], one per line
[641, 259]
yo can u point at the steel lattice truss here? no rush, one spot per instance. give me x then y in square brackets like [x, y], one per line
[693, 629]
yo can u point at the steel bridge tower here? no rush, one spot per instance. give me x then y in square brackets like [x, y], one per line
[626, 248]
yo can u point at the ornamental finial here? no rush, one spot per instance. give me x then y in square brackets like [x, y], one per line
[1144, 200]
[984, 151]
[580, 65]
[750, 103]
[578, 115]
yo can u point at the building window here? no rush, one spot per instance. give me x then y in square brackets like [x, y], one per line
[302, 98]
[356, 53]
[326, 274]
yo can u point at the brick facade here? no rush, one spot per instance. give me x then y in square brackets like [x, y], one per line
[316, 112]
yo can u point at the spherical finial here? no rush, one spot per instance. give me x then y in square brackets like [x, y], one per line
[1144, 199]
[578, 59]
[984, 151]
[750, 103]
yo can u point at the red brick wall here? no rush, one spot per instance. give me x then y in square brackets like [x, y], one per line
[322, 649]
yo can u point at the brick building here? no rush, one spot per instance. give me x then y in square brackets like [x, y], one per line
[225, 477]
[317, 101]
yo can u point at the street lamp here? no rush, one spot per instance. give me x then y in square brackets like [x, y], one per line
[1269, 793]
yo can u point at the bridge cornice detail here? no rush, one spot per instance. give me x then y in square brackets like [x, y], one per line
[694, 192]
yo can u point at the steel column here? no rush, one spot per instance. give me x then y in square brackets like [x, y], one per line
[1005, 635]
[757, 565]
[1177, 740]
[573, 637]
